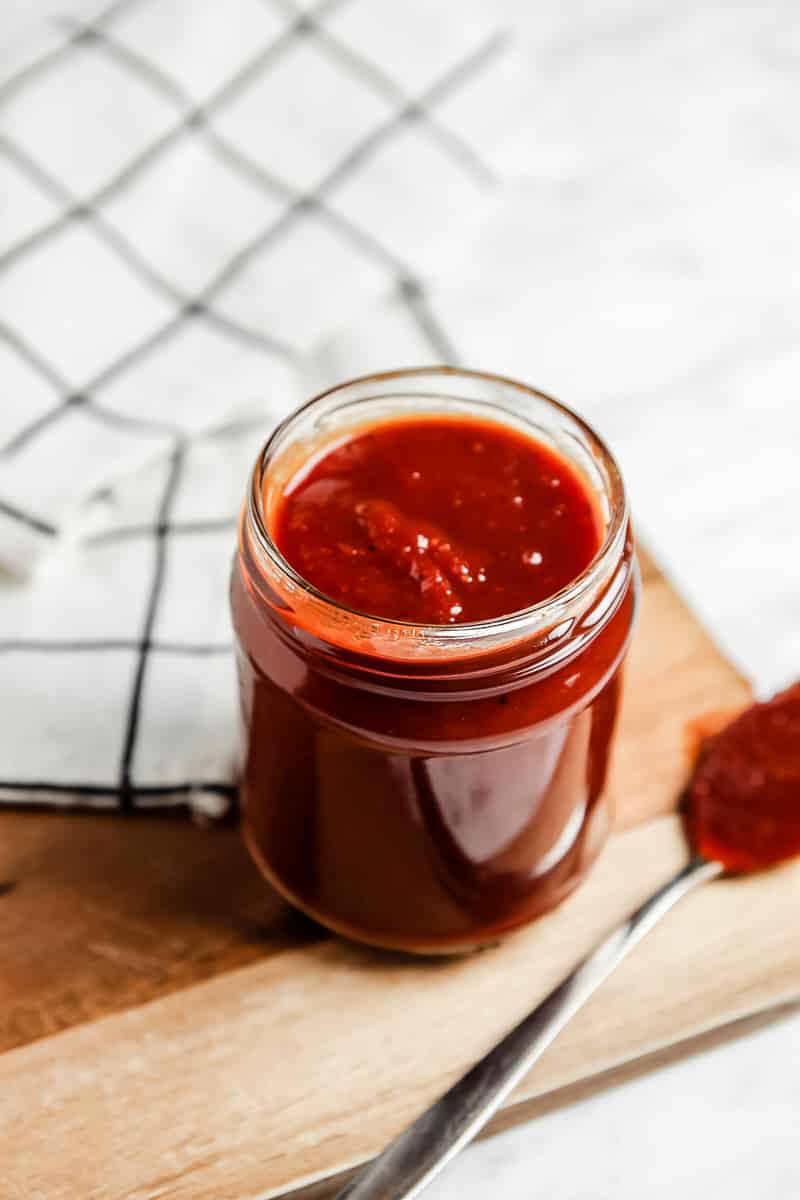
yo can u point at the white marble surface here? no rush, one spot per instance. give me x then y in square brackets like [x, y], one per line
[660, 236]
[723, 1124]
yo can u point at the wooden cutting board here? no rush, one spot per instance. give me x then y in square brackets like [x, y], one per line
[169, 1028]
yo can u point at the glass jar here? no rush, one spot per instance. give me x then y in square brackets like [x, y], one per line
[427, 788]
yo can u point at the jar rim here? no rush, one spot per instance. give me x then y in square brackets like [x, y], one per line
[535, 618]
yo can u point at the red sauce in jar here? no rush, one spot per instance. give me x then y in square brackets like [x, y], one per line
[743, 802]
[439, 520]
[433, 785]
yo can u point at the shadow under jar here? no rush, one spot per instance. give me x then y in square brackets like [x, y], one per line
[427, 787]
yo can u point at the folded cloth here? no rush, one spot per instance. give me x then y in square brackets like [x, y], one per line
[195, 195]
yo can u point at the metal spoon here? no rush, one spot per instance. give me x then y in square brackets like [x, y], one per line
[408, 1165]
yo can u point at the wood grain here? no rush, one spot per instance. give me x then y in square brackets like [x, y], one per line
[104, 913]
[243, 1054]
[677, 682]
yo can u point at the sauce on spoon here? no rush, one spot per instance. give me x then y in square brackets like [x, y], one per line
[743, 801]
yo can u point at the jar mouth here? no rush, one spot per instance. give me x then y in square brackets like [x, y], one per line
[409, 383]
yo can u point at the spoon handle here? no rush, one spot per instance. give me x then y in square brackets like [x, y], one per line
[409, 1163]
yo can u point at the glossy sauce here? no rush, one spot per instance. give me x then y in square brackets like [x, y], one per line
[743, 803]
[439, 521]
[429, 803]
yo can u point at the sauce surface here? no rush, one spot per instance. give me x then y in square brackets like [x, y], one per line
[743, 803]
[439, 520]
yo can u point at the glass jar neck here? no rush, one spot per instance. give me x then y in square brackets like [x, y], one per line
[541, 637]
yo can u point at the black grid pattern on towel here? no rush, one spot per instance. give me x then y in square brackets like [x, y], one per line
[193, 119]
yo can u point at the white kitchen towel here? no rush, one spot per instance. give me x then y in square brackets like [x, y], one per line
[193, 196]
